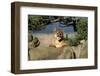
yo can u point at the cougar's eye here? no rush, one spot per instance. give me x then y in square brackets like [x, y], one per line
[60, 34]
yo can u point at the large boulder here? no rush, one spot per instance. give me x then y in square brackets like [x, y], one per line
[67, 53]
[81, 50]
[33, 42]
[47, 53]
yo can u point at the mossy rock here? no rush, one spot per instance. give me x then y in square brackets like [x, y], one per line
[43, 53]
[33, 42]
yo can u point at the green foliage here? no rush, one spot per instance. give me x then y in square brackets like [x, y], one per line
[37, 22]
[73, 41]
[82, 28]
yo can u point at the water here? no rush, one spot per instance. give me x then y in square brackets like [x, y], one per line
[50, 27]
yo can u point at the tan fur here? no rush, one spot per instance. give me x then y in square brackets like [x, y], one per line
[58, 39]
[65, 50]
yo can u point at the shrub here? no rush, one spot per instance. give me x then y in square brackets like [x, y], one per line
[73, 41]
[82, 28]
[37, 22]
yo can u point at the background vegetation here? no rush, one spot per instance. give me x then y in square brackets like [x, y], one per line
[37, 22]
[82, 28]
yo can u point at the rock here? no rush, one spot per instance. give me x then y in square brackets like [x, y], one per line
[67, 53]
[33, 42]
[81, 50]
[84, 50]
[43, 53]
